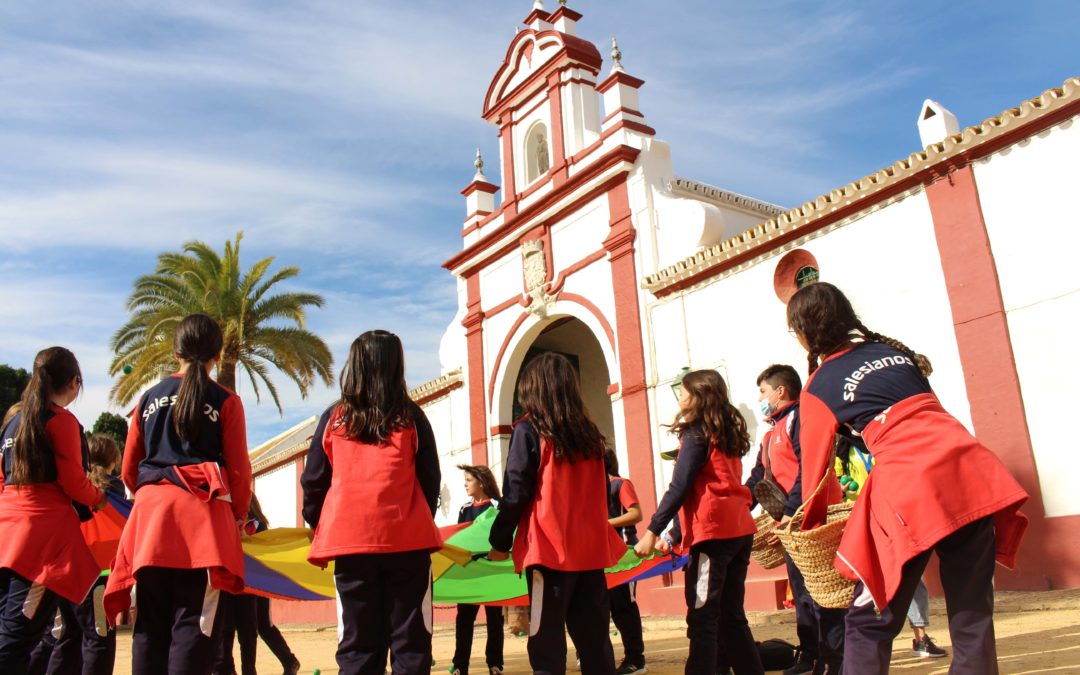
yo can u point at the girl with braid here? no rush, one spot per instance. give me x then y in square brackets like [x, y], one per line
[934, 488]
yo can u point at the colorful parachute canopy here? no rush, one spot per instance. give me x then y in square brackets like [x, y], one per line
[102, 532]
[276, 566]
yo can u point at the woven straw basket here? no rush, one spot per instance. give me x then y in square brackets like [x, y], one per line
[813, 552]
[765, 555]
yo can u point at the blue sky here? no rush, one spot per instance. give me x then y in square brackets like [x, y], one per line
[337, 135]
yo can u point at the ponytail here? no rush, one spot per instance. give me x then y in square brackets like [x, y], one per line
[198, 342]
[32, 455]
[921, 361]
[824, 317]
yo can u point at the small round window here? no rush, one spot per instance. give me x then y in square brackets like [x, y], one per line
[806, 275]
[796, 269]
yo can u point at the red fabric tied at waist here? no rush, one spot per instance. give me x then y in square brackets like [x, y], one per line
[205, 481]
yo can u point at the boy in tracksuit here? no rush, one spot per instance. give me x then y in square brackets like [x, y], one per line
[820, 630]
[624, 512]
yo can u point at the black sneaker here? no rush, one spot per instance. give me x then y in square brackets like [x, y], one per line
[925, 648]
[293, 668]
[804, 666]
[627, 667]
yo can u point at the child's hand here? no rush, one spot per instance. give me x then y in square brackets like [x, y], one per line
[773, 540]
[497, 556]
[646, 545]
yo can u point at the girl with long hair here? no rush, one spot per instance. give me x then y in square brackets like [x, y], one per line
[83, 641]
[371, 485]
[714, 511]
[934, 487]
[483, 493]
[186, 461]
[555, 494]
[43, 471]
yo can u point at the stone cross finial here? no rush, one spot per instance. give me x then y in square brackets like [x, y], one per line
[616, 57]
[479, 164]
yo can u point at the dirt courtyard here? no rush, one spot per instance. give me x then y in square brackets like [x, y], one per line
[1036, 633]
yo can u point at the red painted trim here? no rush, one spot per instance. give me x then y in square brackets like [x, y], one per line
[509, 203]
[619, 77]
[437, 393]
[498, 357]
[581, 52]
[282, 461]
[986, 353]
[562, 11]
[622, 110]
[631, 351]
[300, 491]
[613, 389]
[505, 305]
[576, 267]
[469, 229]
[558, 163]
[474, 216]
[539, 99]
[926, 175]
[481, 186]
[595, 311]
[536, 15]
[502, 430]
[610, 159]
[474, 340]
[628, 124]
[536, 185]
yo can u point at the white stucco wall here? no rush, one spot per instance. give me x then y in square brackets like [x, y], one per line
[887, 262]
[1028, 197]
[277, 495]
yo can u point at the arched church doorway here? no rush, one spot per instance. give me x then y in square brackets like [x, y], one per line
[570, 337]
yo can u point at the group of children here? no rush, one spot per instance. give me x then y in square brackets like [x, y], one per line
[371, 484]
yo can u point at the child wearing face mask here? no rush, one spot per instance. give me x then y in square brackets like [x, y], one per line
[820, 630]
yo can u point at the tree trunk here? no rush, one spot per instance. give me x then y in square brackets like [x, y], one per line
[226, 370]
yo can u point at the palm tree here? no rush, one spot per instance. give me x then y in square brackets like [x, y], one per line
[199, 280]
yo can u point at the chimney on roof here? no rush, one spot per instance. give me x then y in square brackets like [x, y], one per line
[936, 123]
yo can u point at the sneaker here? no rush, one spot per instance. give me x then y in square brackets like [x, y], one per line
[925, 648]
[495, 670]
[293, 668]
[627, 667]
[803, 666]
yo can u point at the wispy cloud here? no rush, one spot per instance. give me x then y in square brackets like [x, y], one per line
[337, 135]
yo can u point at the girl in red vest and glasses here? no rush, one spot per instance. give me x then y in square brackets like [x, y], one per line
[371, 485]
[555, 494]
[934, 487]
[716, 524]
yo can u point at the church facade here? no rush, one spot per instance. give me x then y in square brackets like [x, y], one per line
[598, 250]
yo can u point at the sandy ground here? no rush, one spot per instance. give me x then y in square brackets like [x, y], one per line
[1036, 633]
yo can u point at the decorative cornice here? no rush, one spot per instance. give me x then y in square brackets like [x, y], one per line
[698, 189]
[1051, 107]
[433, 389]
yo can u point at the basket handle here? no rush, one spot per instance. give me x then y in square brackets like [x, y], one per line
[830, 473]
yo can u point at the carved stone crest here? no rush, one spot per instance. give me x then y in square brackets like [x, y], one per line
[534, 264]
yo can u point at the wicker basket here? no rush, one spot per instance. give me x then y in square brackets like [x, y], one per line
[813, 552]
[765, 555]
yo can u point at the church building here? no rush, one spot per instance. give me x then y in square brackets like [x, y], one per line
[584, 240]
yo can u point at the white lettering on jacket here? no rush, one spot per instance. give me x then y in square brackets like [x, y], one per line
[851, 382]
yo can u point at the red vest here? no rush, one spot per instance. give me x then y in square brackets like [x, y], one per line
[566, 526]
[375, 503]
[778, 451]
[179, 528]
[718, 506]
[956, 481]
